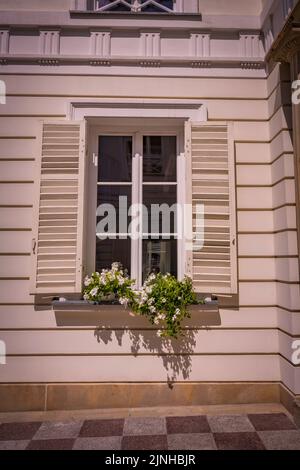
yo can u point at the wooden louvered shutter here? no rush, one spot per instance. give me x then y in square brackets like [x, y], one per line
[57, 244]
[211, 181]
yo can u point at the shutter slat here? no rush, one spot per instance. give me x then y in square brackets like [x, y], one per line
[212, 262]
[57, 256]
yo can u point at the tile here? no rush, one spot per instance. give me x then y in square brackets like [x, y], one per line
[13, 445]
[98, 443]
[102, 428]
[187, 424]
[233, 423]
[238, 441]
[191, 442]
[51, 444]
[144, 443]
[145, 426]
[52, 430]
[271, 422]
[18, 431]
[281, 440]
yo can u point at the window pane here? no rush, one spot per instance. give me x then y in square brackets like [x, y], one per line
[118, 7]
[159, 158]
[160, 219]
[109, 251]
[159, 256]
[115, 158]
[119, 197]
[154, 8]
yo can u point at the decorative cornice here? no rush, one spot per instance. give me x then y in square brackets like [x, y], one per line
[287, 49]
[200, 64]
[48, 62]
[252, 65]
[103, 63]
[191, 62]
[150, 63]
[288, 41]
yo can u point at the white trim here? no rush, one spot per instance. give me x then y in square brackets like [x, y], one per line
[137, 108]
[137, 184]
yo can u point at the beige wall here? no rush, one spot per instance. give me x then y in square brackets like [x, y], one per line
[232, 7]
[242, 344]
[35, 5]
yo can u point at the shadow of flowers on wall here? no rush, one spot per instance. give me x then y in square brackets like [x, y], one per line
[175, 354]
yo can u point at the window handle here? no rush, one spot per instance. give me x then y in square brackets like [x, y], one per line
[95, 159]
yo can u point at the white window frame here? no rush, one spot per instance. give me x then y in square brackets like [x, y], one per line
[136, 132]
[136, 6]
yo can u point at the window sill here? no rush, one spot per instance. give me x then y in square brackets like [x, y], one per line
[87, 306]
[132, 14]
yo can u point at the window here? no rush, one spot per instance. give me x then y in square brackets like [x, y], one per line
[136, 167]
[137, 6]
[148, 180]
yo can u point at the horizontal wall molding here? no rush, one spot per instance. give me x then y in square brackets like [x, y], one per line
[266, 208]
[249, 281]
[42, 116]
[133, 97]
[275, 232]
[286, 178]
[265, 163]
[193, 62]
[12, 159]
[17, 137]
[124, 75]
[263, 141]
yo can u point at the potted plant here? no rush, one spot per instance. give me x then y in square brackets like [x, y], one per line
[163, 300]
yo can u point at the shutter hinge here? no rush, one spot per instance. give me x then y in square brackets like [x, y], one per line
[95, 159]
[233, 242]
[33, 246]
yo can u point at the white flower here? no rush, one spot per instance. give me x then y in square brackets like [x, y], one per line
[151, 301]
[86, 297]
[178, 312]
[115, 267]
[124, 301]
[121, 280]
[159, 333]
[152, 309]
[156, 321]
[162, 316]
[94, 291]
[148, 290]
[163, 300]
[87, 281]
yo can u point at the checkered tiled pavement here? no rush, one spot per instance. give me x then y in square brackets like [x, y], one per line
[228, 432]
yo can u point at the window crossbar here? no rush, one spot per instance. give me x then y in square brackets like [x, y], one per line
[136, 6]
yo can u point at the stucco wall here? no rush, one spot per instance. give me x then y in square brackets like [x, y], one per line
[245, 345]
